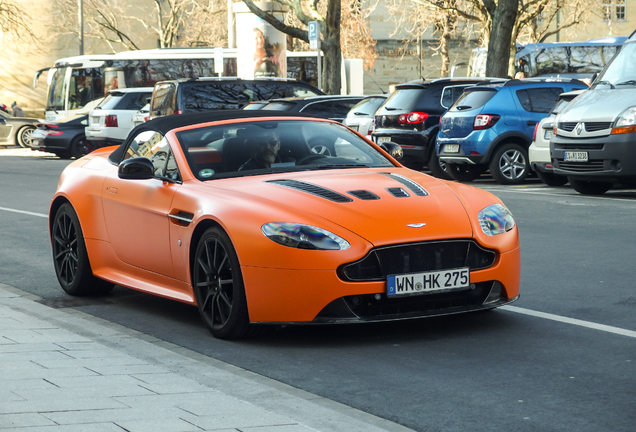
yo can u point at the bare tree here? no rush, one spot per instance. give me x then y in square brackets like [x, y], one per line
[14, 22]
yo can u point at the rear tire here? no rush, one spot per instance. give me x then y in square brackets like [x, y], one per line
[437, 167]
[586, 187]
[551, 179]
[70, 259]
[509, 165]
[24, 136]
[218, 286]
[463, 172]
[78, 147]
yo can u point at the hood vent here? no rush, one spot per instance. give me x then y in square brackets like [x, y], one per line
[398, 192]
[312, 189]
[410, 184]
[364, 195]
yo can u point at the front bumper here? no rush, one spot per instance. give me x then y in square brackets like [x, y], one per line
[320, 296]
[611, 158]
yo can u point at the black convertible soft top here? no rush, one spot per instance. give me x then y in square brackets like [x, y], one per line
[168, 123]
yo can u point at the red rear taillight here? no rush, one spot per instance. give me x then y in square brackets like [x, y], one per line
[371, 127]
[146, 118]
[178, 112]
[52, 133]
[110, 120]
[413, 118]
[534, 135]
[485, 121]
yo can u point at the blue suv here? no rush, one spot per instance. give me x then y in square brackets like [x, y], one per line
[490, 127]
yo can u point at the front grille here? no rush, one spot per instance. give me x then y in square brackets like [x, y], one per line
[418, 257]
[578, 146]
[581, 166]
[567, 126]
[597, 126]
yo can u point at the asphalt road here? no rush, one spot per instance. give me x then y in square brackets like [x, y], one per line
[563, 358]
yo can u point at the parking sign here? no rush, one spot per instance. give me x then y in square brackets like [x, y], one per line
[312, 30]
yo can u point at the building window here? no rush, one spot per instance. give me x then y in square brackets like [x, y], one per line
[614, 10]
[607, 10]
[620, 10]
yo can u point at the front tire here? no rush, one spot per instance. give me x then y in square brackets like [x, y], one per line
[70, 259]
[585, 187]
[509, 165]
[218, 286]
[24, 136]
[551, 179]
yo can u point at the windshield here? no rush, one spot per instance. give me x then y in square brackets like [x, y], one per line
[55, 99]
[621, 71]
[473, 99]
[264, 147]
[367, 107]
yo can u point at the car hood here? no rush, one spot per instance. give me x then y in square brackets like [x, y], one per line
[599, 105]
[382, 206]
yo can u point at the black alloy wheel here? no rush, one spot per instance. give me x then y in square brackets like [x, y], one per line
[79, 147]
[218, 286]
[70, 259]
[586, 187]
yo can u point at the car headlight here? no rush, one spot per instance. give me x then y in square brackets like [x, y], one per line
[495, 219]
[626, 122]
[303, 236]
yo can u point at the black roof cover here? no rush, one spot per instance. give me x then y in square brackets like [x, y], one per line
[168, 123]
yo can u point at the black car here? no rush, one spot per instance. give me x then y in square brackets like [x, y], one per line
[65, 138]
[205, 94]
[333, 107]
[410, 117]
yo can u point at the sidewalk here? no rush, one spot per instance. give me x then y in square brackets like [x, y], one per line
[65, 371]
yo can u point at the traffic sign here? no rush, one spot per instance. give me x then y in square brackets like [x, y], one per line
[312, 30]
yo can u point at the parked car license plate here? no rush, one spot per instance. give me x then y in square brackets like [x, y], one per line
[383, 139]
[575, 156]
[451, 148]
[426, 282]
[547, 134]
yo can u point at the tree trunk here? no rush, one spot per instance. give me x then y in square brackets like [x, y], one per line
[500, 38]
[332, 63]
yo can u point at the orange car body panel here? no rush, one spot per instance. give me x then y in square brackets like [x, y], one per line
[131, 240]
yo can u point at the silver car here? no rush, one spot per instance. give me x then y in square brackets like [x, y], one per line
[16, 130]
[361, 117]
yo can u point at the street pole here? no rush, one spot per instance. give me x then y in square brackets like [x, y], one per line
[80, 14]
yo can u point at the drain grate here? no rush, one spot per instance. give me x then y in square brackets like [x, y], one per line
[73, 302]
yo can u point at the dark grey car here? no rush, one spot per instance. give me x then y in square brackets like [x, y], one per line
[16, 130]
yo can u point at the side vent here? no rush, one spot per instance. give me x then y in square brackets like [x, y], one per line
[398, 192]
[364, 195]
[312, 189]
[410, 184]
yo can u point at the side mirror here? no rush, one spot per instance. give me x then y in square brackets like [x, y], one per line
[139, 168]
[395, 150]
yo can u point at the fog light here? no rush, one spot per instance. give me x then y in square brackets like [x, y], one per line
[378, 297]
[356, 300]
[495, 293]
[616, 165]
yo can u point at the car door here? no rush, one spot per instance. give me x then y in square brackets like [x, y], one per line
[5, 130]
[136, 211]
[536, 104]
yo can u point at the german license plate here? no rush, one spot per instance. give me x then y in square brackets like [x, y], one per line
[570, 156]
[451, 148]
[547, 134]
[383, 139]
[355, 127]
[422, 283]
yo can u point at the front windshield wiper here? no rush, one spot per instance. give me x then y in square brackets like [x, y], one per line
[463, 107]
[628, 82]
[606, 83]
[338, 166]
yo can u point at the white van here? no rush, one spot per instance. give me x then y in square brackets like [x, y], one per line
[594, 142]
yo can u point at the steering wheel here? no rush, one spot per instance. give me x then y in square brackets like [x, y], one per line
[310, 158]
[320, 149]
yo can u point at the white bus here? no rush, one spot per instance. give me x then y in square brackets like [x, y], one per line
[566, 59]
[76, 84]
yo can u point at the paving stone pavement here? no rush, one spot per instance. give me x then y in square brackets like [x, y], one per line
[65, 371]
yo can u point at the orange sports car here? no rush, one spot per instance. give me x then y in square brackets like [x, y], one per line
[265, 217]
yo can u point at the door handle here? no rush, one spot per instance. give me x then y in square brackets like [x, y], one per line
[531, 123]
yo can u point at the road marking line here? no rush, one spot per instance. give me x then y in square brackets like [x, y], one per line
[573, 321]
[24, 212]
